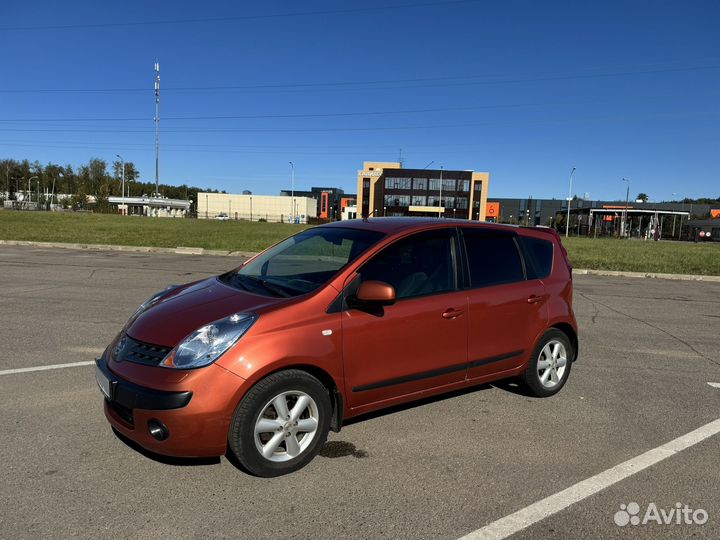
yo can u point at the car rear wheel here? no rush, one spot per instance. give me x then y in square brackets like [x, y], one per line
[281, 423]
[549, 365]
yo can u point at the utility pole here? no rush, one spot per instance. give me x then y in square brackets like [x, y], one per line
[567, 221]
[157, 128]
[122, 162]
[292, 189]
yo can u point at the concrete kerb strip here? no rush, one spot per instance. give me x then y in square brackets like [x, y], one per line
[653, 275]
[183, 250]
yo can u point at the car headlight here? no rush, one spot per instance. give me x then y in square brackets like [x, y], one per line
[207, 344]
[147, 304]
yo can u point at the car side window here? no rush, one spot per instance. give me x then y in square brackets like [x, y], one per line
[418, 265]
[493, 258]
[538, 256]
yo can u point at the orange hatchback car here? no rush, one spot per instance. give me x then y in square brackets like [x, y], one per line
[337, 321]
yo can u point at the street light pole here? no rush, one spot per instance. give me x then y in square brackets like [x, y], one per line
[29, 191]
[440, 207]
[625, 215]
[52, 195]
[292, 189]
[567, 221]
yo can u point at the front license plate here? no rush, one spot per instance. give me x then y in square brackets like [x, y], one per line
[103, 382]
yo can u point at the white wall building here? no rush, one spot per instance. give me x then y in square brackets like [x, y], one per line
[349, 212]
[272, 208]
[150, 206]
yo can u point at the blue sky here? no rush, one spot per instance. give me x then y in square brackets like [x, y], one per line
[523, 89]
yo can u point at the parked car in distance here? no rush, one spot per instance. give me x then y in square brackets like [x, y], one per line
[334, 322]
[222, 217]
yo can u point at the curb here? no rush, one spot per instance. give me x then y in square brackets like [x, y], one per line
[180, 250]
[651, 275]
[187, 250]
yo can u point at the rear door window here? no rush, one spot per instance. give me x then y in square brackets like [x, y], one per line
[538, 256]
[493, 258]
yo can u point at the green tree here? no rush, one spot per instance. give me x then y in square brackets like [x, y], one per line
[79, 200]
[642, 197]
[102, 198]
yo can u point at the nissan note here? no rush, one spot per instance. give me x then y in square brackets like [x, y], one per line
[333, 322]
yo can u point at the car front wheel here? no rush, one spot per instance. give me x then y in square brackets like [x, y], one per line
[281, 423]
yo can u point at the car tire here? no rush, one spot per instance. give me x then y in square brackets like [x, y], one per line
[269, 439]
[549, 366]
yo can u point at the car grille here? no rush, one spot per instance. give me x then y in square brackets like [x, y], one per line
[142, 353]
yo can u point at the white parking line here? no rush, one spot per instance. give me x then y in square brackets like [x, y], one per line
[509, 525]
[44, 368]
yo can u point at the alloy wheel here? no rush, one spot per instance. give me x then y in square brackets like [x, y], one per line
[286, 426]
[552, 363]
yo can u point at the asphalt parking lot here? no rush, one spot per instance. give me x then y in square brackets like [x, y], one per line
[439, 469]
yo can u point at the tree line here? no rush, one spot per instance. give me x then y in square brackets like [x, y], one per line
[36, 182]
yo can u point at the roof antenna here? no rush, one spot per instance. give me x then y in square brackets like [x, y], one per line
[400, 159]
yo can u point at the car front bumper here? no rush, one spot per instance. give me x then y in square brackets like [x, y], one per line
[193, 409]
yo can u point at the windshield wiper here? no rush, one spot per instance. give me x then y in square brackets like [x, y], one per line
[267, 286]
[234, 280]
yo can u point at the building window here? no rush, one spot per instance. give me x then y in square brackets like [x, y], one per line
[397, 200]
[420, 184]
[419, 200]
[449, 184]
[463, 185]
[478, 186]
[448, 202]
[434, 184]
[366, 183]
[398, 183]
[462, 203]
[433, 200]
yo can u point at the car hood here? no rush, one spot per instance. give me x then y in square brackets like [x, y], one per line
[170, 320]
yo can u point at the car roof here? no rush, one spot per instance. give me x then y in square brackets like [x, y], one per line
[393, 225]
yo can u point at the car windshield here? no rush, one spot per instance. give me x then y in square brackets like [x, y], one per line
[301, 263]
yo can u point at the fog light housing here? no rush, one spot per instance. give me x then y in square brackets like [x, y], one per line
[158, 430]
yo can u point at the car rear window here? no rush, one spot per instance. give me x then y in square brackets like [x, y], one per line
[538, 256]
[493, 258]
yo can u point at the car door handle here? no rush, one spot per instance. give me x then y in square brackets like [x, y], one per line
[534, 299]
[451, 313]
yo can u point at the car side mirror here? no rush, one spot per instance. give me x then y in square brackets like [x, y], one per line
[375, 293]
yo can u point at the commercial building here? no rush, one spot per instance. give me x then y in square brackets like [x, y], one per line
[329, 200]
[388, 189]
[597, 217]
[531, 211]
[704, 229]
[272, 208]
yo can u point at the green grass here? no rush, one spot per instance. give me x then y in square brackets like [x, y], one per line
[644, 256]
[600, 254]
[140, 231]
